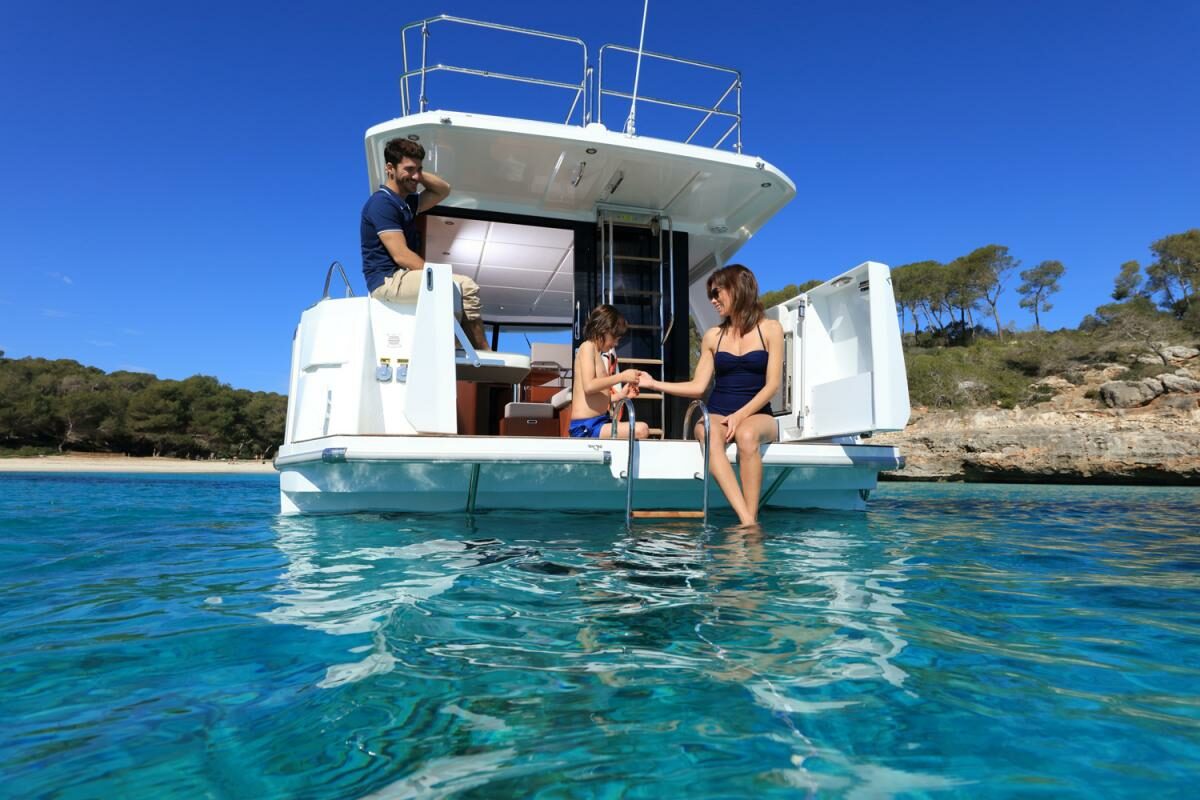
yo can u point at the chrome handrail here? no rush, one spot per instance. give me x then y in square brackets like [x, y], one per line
[627, 404]
[329, 277]
[580, 88]
[687, 418]
[710, 111]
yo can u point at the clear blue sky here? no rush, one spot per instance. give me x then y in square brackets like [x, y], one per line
[176, 177]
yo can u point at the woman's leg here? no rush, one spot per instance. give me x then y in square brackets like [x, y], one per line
[750, 436]
[722, 470]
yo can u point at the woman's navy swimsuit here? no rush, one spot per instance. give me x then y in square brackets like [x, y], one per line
[739, 378]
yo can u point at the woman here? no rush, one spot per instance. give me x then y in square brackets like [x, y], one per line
[746, 353]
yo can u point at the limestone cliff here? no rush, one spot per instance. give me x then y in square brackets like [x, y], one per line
[1078, 435]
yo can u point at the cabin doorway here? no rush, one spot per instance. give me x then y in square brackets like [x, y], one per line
[640, 267]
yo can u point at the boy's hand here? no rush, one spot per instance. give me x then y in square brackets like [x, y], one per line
[647, 380]
[629, 376]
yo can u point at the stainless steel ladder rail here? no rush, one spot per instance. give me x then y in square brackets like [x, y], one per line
[687, 419]
[627, 404]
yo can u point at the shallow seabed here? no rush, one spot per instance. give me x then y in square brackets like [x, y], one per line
[172, 637]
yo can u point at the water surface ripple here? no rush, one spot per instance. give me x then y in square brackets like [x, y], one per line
[173, 637]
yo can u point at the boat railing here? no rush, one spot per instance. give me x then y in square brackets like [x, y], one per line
[420, 73]
[715, 110]
[329, 276]
[587, 96]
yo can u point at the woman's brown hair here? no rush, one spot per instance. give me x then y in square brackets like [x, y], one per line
[604, 320]
[746, 310]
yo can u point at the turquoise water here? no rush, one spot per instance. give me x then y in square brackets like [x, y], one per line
[172, 637]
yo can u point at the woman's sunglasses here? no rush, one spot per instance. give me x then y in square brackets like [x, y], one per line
[713, 292]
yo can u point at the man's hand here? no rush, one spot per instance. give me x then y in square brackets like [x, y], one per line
[436, 190]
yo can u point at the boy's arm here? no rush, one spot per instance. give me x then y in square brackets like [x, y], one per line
[585, 372]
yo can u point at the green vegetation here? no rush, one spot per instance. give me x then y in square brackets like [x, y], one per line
[1040, 283]
[955, 361]
[54, 406]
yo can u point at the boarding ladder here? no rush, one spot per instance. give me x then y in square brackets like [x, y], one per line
[630, 512]
[637, 277]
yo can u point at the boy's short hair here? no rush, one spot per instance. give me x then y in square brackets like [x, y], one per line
[604, 320]
[398, 149]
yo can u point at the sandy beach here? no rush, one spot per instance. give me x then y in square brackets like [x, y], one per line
[101, 462]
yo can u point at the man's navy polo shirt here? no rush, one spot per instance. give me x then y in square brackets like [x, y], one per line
[383, 212]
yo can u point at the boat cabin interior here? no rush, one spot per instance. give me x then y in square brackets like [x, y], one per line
[539, 278]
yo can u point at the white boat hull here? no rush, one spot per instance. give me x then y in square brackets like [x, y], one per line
[468, 474]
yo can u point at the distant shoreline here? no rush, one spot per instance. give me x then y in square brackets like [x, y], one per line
[101, 462]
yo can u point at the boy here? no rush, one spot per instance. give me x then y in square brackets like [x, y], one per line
[596, 382]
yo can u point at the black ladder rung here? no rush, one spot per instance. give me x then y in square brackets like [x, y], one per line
[645, 259]
[636, 293]
[640, 327]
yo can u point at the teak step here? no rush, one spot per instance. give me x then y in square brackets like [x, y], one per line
[624, 360]
[648, 514]
[649, 396]
[657, 433]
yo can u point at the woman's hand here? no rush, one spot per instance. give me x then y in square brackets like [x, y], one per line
[731, 423]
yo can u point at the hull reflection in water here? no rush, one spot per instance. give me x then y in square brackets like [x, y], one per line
[543, 629]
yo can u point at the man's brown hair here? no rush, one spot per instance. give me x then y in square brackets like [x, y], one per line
[745, 310]
[397, 150]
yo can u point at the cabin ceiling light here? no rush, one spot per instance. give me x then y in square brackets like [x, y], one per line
[449, 222]
[615, 183]
[766, 185]
[591, 151]
[414, 137]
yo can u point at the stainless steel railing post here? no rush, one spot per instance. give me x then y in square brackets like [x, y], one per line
[687, 420]
[329, 277]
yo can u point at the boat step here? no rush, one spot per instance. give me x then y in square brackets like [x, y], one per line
[665, 514]
[645, 259]
[637, 293]
[624, 360]
[657, 433]
[649, 396]
[639, 327]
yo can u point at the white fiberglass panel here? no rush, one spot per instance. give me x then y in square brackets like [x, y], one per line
[849, 370]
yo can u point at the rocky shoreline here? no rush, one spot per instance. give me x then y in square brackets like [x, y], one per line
[1097, 430]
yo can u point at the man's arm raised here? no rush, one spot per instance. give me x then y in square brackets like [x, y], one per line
[436, 190]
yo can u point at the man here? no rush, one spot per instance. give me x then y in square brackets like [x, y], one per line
[391, 243]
